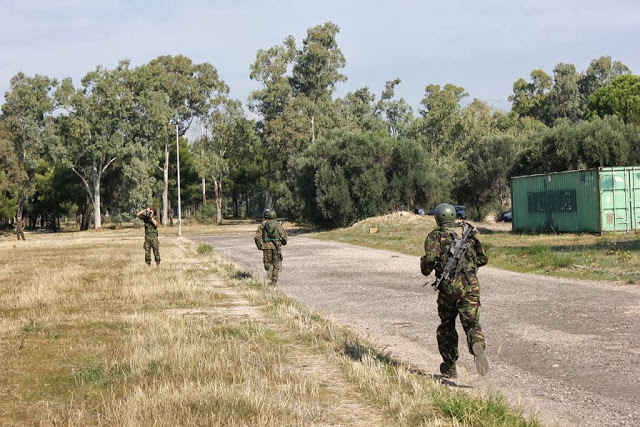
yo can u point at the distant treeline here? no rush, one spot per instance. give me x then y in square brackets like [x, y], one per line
[107, 148]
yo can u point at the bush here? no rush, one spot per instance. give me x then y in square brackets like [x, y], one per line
[206, 214]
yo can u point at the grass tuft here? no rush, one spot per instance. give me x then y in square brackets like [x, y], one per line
[204, 248]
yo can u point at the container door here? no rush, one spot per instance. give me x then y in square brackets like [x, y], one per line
[634, 203]
[615, 200]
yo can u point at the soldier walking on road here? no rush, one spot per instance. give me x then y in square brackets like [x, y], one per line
[150, 236]
[269, 238]
[19, 226]
[459, 291]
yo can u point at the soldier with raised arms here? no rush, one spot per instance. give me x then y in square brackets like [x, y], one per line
[150, 236]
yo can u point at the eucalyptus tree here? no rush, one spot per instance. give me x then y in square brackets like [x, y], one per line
[529, 99]
[359, 110]
[439, 126]
[564, 101]
[396, 112]
[269, 103]
[476, 121]
[27, 119]
[600, 72]
[228, 141]
[96, 132]
[184, 91]
[295, 103]
[316, 71]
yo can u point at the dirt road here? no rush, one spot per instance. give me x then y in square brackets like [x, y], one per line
[566, 350]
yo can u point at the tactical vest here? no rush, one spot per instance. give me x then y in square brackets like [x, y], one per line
[270, 232]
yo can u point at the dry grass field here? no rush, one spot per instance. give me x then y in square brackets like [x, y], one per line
[89, 335]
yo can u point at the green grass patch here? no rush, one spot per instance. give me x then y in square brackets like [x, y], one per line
[204, 248]
[489, 411]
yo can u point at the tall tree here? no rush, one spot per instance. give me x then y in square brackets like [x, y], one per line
[231, 140]
[295, 104]
[189, 90]
[564, 98]
[27, 117]
[270, 69]
[621, 97]
[316, 70]
[439, 126]
[97, 130]
[397, 113]
[11, 174]
[529, 99]
[600, 72]
[358, 110]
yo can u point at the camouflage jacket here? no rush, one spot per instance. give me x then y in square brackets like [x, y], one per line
[262, 239]
[436, 248]
[150, 229]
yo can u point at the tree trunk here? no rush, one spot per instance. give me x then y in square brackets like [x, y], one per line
[86, 217]
[218, 194]
[236, 205]
[96, 200]
[204, 191]
[267, 191]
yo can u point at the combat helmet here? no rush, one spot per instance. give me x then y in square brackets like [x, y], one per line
[444, 212]
[271, 214]
[266, 213]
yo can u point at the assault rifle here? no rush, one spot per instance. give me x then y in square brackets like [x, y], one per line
[457, 250]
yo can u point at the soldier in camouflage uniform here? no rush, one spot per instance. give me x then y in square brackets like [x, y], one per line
[459, 295]
[150, 236]
[269, 238]
[19, 225]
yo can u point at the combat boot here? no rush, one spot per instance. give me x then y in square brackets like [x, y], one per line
[448, 372]
[482, 364]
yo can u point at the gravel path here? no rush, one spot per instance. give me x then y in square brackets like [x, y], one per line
[566, 350]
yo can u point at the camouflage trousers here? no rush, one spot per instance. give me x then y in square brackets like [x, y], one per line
[468, 308]
[151, 243]
[272, 263]
[20, 234]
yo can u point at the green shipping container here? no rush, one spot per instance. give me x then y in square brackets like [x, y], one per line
[592, 200]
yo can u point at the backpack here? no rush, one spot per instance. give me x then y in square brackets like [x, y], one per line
[466, 264]
[270, 232]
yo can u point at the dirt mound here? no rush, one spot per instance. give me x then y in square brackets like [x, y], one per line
[404, 217]
[398, 217]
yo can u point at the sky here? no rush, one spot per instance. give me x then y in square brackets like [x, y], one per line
[483, 46]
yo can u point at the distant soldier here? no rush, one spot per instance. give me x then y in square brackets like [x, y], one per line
[150, 236]
[269, 238]
[459, 294]
[19, 226]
